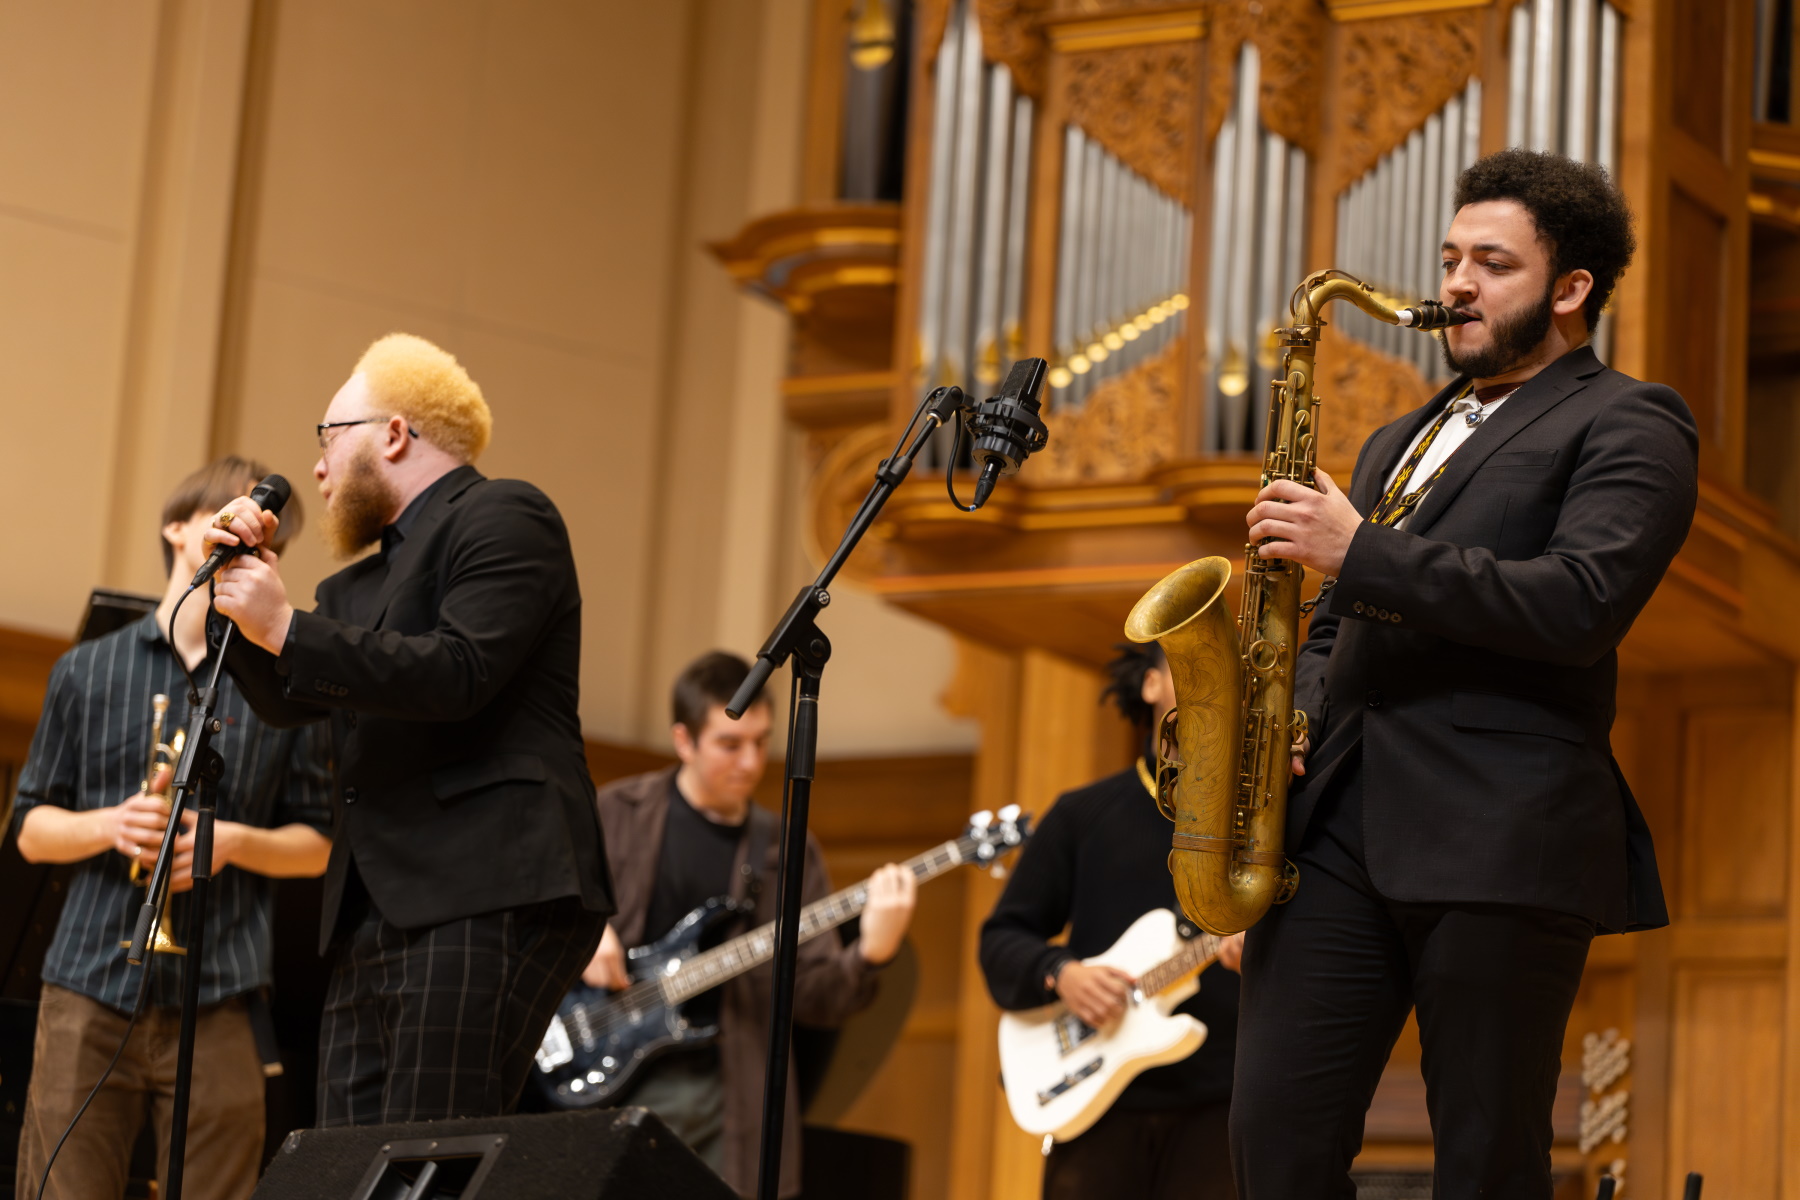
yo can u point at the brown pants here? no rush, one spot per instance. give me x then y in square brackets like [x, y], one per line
[75, 1039]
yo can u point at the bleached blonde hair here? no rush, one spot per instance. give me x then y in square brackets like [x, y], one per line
[425, 384]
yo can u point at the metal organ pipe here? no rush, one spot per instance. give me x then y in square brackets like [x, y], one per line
[1118, 285]
[1256, 240]
[977, 210]
[1393, 219]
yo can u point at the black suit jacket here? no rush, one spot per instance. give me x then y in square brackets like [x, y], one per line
[451, 680]
[1473, 658]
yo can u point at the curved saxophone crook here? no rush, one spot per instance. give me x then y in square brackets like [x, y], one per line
[1223, 757]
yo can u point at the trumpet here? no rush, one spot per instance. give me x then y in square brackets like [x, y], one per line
[162, 755]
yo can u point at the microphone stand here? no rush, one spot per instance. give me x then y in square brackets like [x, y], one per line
[797, 636]
[200, 766]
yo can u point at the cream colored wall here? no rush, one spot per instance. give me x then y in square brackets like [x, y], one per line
[208, 208]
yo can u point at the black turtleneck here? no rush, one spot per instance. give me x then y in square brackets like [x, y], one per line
[1098, 862]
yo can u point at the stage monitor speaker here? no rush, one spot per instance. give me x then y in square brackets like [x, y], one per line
[597, 1154]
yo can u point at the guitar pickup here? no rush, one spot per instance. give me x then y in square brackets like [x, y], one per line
[1068, 1081]
[1071, 1031]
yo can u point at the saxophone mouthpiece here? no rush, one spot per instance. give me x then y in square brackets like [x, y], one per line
[1428, 315]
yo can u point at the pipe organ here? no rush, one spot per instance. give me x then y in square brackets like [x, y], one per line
[1391, 221]
[1563, 67]
[1255, 256]
[977, 210]
[1122, 247]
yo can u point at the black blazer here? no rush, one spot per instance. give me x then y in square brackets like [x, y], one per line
[451, 682]
[1473, 656]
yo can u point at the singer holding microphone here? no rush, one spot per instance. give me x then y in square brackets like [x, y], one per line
[467, 887]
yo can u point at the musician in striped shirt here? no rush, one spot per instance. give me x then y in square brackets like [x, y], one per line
[80, 802]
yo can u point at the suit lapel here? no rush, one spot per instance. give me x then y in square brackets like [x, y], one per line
[1391, 442]
[435, 510]
[1537, 396]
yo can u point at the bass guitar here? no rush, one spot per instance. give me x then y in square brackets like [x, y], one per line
[1061, 1074]
[599, 1040]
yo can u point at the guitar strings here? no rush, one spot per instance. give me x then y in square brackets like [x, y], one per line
[623, 1007]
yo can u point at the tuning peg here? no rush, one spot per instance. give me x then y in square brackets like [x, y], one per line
[998, 870]
[1010, 813]
[981, 820]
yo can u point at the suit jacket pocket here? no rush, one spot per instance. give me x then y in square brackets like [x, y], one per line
[1527, 465]
[1513, 714]
[449, 783]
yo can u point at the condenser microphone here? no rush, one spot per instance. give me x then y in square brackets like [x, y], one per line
[1007, 428]
[270, 495]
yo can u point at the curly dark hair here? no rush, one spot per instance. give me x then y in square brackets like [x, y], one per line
[1580, 214]
[1127, 671]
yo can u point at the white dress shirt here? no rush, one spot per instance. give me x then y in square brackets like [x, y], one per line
[1455, 432]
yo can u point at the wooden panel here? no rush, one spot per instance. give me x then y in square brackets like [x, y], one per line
[906, 1098]
[1725, 1101]
[1696, 264]
[1701, 33]
[1735, 813]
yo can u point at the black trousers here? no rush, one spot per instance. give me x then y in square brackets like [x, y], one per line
[427, 1024]
[1328, 980]
[1145, 1154]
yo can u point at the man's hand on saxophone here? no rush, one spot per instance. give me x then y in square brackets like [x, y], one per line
[1301, 746]
[1312, 528]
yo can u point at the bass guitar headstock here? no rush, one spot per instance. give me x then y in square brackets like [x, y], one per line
[991, 835]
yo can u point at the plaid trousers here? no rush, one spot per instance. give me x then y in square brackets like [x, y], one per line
[426, 1024]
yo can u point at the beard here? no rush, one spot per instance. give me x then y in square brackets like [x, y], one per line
[361, 504]
[1511, 340]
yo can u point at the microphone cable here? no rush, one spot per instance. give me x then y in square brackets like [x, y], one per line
[137, 1010]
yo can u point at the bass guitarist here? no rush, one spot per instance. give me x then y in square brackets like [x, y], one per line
[685, 834]
[1096, 864]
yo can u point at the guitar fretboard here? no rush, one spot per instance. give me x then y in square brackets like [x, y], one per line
[1199, 951]
[707, 970]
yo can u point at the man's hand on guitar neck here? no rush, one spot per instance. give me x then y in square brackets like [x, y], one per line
[893, 891]
[1095, 994]
[607, 970]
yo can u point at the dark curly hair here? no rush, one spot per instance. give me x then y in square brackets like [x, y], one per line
[1127, 672]
[1579, 212]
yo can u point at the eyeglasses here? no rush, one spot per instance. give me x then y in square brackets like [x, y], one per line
[325, 442]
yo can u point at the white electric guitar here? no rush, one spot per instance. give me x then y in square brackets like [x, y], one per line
[1061, 1074]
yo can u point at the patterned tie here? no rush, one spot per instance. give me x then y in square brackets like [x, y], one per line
[1396, 502]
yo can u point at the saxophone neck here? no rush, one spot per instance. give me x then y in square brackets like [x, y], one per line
[1322, 287]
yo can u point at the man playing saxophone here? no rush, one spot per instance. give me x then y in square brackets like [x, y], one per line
[1460, 827]
[80, 801]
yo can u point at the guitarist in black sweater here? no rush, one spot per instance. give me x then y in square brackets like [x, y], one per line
[1097, 863]
[684, 835]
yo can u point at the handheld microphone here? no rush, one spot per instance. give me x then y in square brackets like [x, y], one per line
[1006, 428]
[269, 495]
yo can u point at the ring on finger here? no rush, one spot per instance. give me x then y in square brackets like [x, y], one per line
[224, 519]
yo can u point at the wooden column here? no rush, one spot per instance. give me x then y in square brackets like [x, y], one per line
[1043, 732]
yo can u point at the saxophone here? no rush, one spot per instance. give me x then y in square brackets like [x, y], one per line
[1223, 751]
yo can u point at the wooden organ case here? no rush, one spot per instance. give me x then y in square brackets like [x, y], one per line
[1130, 190]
